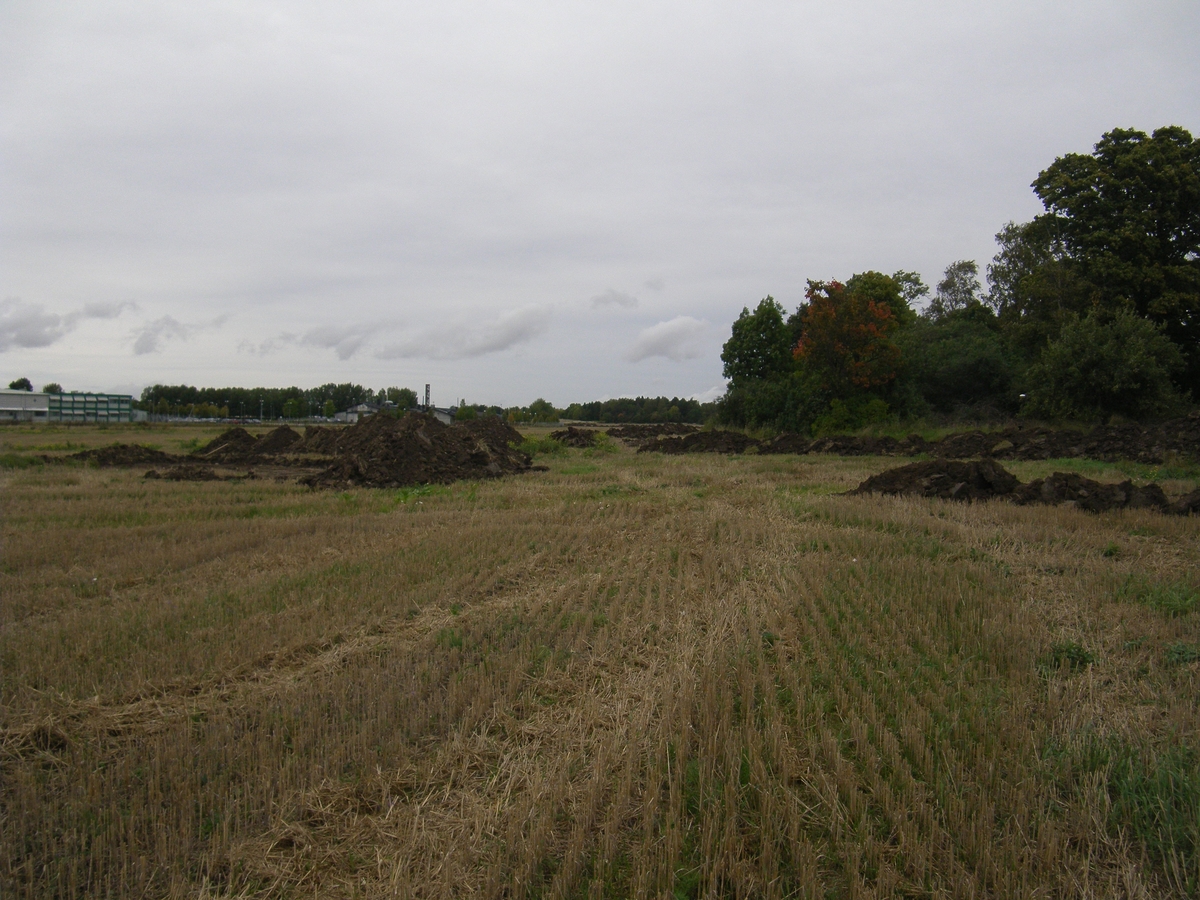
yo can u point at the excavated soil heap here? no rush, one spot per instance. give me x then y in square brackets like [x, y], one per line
[702, 442]
[281, 440]
[234, 445]
[646, 435]
[320, 439]
[986, 479]
[948, 480]
[1064, 487]
[380, 451]
[571, 436]
[1141, 443]
[125, 455]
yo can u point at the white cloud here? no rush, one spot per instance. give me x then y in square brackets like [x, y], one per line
[716, 392]
[677, 339]
[613, 297]
[507, 330]
[29, 325]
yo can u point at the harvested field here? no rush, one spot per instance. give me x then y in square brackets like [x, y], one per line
[635, 675]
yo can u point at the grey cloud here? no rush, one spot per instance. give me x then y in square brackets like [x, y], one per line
[655, 284]
[29, 325]
[150, 337]
[613, 297]
[270, 345]
[676, 339]
[345, 341]
[507, 330]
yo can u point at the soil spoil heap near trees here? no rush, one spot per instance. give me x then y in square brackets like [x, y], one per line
[381, 451]
[573, 436]
[987, 479]
[701, 442]
[124, 455]
[640, 435]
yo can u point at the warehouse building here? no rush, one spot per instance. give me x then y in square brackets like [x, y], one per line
[35, 406]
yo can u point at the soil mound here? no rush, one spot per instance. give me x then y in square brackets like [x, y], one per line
[281, 440]
[380, 451]
[985, 479]
[643, 435]
[1064, 487]
[124, 455]
[320, 439]
[980, 480]
[572, 436]
[702, 442]
[233, 445]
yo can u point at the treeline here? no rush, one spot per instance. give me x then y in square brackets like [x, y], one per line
[1092, 310]
[270, 403]
[642, 409]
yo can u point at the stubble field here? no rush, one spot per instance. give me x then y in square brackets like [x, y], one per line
[629, 676]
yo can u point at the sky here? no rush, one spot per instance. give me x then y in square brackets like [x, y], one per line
[512, 200]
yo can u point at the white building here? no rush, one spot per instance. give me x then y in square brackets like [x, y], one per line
[24, 406]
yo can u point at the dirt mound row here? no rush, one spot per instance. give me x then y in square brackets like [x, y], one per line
[643, 435]
[125, 455]
[1140, 443]
[321, 439]
[239, 446]
[380, 451]
[987, 479]
[702, 442]
[573, 436]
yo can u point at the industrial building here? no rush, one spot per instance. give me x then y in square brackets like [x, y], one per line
[35, 406]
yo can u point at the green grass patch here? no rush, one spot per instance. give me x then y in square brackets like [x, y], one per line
[542, 446]
[1069, 654]
[12, 460]
[1181, 654]
[1176, 598]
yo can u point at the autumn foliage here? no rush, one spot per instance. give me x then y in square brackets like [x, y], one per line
[846, 339]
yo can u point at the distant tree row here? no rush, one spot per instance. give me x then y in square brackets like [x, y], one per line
[642, 409]
[24, 384]
[1092, 309]
[271, 403]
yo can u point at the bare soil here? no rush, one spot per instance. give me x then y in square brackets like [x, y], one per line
[574, 436]
[701, 442]
[987, 479]
[122, 455]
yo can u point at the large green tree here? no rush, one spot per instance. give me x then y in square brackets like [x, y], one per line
[1128, 216]
[760, 348]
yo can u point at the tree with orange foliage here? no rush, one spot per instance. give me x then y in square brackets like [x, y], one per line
[846, 340]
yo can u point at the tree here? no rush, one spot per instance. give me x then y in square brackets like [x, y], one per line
[404, 398]
[889, 290]
[958, 360]
[52, 388]
[542, 411]
[958, 289]
[1129, 219]
[329, 409]
[760, 348]
[1101, 365]
[847, 340]
[21, 384]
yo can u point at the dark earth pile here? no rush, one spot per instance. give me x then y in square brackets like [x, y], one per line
[573, 436]
[702, 442]
[380, 451]
[320, 439]
[980, 480]
[986, 479]
[239, 446]
[639, 436]
[124, 455]
[234, 445]
[1141, 443]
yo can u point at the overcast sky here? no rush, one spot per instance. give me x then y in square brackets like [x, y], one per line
[521, 199]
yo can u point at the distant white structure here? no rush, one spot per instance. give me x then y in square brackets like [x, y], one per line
[24, 406]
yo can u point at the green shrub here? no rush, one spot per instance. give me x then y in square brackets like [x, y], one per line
[543, 446]
[18, 461]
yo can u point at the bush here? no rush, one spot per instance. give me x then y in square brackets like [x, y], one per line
[1098, 367]
[545, 446]
[957, 361]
